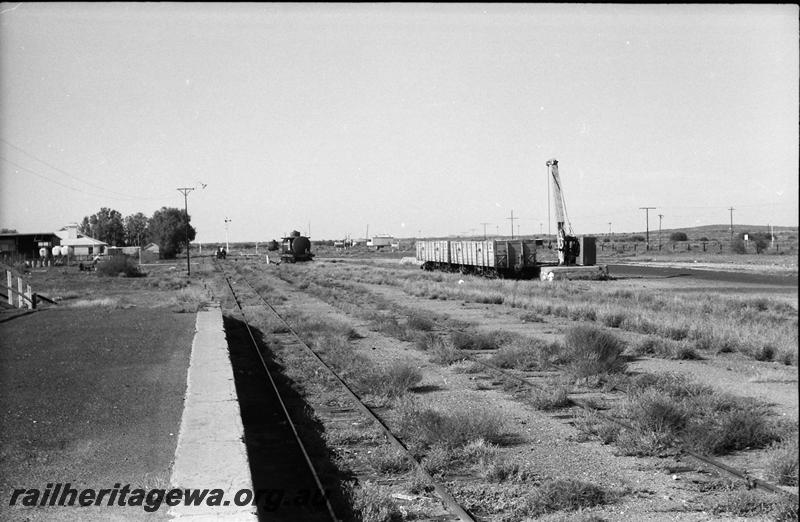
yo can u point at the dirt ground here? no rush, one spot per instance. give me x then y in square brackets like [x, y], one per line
[544, 440]
[91, 389]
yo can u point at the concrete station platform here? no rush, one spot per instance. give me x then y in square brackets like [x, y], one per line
[97, 397]
[211, 452]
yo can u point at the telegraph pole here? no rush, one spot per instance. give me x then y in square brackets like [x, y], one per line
[647, 218]
[731, 209]
[659, 231]
[484, 230]
[512, 223]
[185, 191]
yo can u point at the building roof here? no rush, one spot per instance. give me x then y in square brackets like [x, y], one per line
[83, 241]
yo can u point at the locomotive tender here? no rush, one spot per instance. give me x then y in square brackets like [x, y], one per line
[296, 248]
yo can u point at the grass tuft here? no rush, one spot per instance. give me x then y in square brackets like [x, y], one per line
[592, 351]
[563, 495]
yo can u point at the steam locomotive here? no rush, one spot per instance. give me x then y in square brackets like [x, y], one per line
[296, 248]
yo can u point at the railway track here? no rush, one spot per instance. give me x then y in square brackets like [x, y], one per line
[699, 460]
[353, 404]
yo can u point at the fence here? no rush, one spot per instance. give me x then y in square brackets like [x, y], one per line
[19, 295]
[711, 246]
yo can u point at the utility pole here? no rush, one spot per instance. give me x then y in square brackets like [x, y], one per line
[484, 230]
[647, 218]
[512, 223]
[227, 246]
[659, 231]
[731, 209]
[185, 191]
[609, 229]
[540, 228]
[548, 199]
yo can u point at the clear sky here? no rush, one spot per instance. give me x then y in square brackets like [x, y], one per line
[409, 119]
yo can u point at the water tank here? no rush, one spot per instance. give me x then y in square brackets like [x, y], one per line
[66, 250]
[301, 246]
[56, 251]
[43, 252]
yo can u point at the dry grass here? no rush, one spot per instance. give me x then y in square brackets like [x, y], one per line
[664, 408]
[526, 353]
[782, 462]
[426, 427]
[563, 495]
[591, 351]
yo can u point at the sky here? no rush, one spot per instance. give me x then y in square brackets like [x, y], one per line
[409, 119]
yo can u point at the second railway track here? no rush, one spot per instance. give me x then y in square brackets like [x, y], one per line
[347, 406]
[525, 380]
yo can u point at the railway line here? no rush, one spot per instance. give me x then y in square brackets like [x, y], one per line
[688, 462]
[246, 294]
[697, 461]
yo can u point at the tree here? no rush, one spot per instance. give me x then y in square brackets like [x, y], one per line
[136, 230]
[678, 236]
[106, 225]
[167, 228]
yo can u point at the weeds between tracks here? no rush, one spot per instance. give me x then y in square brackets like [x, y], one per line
[720, 423]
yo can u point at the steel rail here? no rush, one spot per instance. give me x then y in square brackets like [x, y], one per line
[750, 482]
[450, 502]
[283, 406]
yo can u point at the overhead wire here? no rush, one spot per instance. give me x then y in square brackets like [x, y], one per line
[120, 195]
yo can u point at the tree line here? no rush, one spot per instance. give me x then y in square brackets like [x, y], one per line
[167, 228]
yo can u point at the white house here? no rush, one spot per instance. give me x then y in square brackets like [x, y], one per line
[81, 245]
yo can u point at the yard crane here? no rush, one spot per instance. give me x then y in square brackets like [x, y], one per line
[568, 246]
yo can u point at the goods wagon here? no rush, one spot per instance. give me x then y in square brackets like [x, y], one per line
[491, 257]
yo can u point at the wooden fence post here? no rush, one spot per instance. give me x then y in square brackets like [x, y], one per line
[10, 286]
[29, 294]
[21, 297]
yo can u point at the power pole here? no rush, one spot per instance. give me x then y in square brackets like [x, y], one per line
[227, 247]
[512, 223]
[647, 218]
[659, 231]
[484, 230]
[609, 229]
[731, 209]
[185, 191]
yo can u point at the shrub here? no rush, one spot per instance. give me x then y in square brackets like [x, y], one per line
[373, 503]
[452, 429]
[477, 340]
[119, 265]
[593, 351]
[782, 462]
[563, 494]
[552, 397]
[612, 319]
[678, 236]
[388, 459]
[667, 406]
[419, 322]
[443, 352]
[526, 354]
[395, 379]
[737, 247]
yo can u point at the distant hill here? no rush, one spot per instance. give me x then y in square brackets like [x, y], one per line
[717, 231]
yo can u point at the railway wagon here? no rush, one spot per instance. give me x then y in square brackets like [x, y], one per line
[492, 257]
